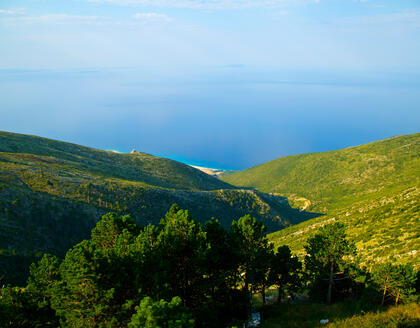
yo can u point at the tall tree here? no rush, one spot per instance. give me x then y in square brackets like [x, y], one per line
[325, 253]
[219, 261]
[43, 276]
[261, 270]
[285, 271]
[97, 279]
[396, 282]
[248, 239]
[181, 246]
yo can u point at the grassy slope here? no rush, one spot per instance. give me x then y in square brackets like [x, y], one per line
[343, 315]
[138, 167]
[373, 188]
[52, 193]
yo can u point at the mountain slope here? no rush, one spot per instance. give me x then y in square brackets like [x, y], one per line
[373, 188]
[140, 167]
[52, 194]
[338, 176]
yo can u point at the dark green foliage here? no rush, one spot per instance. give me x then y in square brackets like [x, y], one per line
[30, 306]
[177, 275]
[14, 266]
[285, 272]
[249, 241]
[100, 274]
[220, 264]
[110, 227]
[182, 242]
[395, 282]
[193, 273]
[42, 279]
[81, 298]
[16, 308]
[161, 314]
[325, 259]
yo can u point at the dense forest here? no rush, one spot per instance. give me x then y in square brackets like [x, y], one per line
[181, 273]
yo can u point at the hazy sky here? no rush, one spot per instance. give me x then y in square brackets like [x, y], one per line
[343, 34]
[223, 83]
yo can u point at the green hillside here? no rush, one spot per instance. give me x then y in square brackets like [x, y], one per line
[373, 188]
[138, 167]
[52, 193]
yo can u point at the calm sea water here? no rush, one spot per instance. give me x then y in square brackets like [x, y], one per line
[221, 117]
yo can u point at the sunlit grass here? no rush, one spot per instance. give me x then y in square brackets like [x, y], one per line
[340, 315]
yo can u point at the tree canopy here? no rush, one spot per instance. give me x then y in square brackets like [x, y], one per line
[180, 274]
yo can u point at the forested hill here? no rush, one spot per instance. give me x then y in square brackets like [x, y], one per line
[52, 193]
[139, 167]
[373, 188]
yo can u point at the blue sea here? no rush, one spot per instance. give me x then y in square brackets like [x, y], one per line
[228, 117]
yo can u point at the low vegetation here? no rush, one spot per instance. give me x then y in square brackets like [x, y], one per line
[329, 180]
[340, 315]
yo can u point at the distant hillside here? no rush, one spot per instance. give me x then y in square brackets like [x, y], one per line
[139, 167]
[373, 188]
[338, 176]
[52, 193]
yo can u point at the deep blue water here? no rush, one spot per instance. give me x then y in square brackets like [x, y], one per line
[222, 117]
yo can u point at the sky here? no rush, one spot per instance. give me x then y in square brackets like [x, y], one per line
[219, 83]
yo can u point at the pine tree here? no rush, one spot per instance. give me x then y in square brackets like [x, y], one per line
[161, 314]
[395, 281]
[285, 271]
[325, 254]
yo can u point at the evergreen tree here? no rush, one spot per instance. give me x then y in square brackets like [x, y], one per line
[43, 277]
[285, 272]
[98, 277]
[16, 308]
[193, 273]
[104, 234]
[396, 282]
[250, 244]
[31, 306]
[149, 269]
[161, 314]
[219, 261]
[325, 254]
[248, 241]
[181, 243]
[261, 270]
